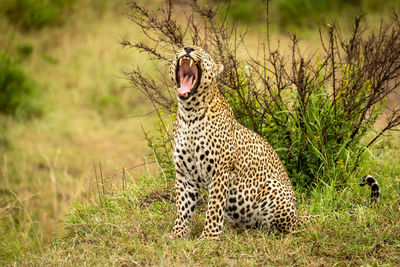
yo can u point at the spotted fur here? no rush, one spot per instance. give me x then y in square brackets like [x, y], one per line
[246, 181]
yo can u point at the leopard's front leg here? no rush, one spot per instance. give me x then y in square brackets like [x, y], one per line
[185, 201]
[216, 205]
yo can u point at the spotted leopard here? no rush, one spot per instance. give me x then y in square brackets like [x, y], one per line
[246, 181]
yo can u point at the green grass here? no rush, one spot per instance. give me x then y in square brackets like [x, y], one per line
[130, 226]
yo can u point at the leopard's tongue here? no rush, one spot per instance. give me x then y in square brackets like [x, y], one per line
[185, 86]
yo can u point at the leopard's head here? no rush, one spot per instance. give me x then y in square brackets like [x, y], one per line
[193, 71]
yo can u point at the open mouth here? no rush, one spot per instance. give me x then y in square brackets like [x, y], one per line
[188, 74]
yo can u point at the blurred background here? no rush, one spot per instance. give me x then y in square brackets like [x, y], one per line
[65, 104]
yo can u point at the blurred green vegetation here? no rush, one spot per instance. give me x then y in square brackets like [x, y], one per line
[245, 11]
[25, 50]
[301, 14]
[305, 13]
[35, 14]
[18, 92]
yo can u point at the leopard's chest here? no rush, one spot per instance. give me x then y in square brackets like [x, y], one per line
[193, 153]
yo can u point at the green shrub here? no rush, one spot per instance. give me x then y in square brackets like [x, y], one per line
[18, 93]
[313, 138]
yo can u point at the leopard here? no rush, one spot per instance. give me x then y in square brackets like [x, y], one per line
[247, 183]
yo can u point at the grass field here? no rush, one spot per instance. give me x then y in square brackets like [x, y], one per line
[52, 212]
[129, 227]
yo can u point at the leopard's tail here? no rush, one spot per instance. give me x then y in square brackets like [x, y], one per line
[375, 188]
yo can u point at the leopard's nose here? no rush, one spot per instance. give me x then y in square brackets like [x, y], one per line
[188, 49]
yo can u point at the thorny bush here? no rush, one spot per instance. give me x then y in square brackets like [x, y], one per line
[313, 110]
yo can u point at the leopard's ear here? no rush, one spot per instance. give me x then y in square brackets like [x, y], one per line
[220, 68]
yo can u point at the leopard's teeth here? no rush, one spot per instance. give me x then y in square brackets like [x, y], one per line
[191, 62]
[186, 94]
[180, 61]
